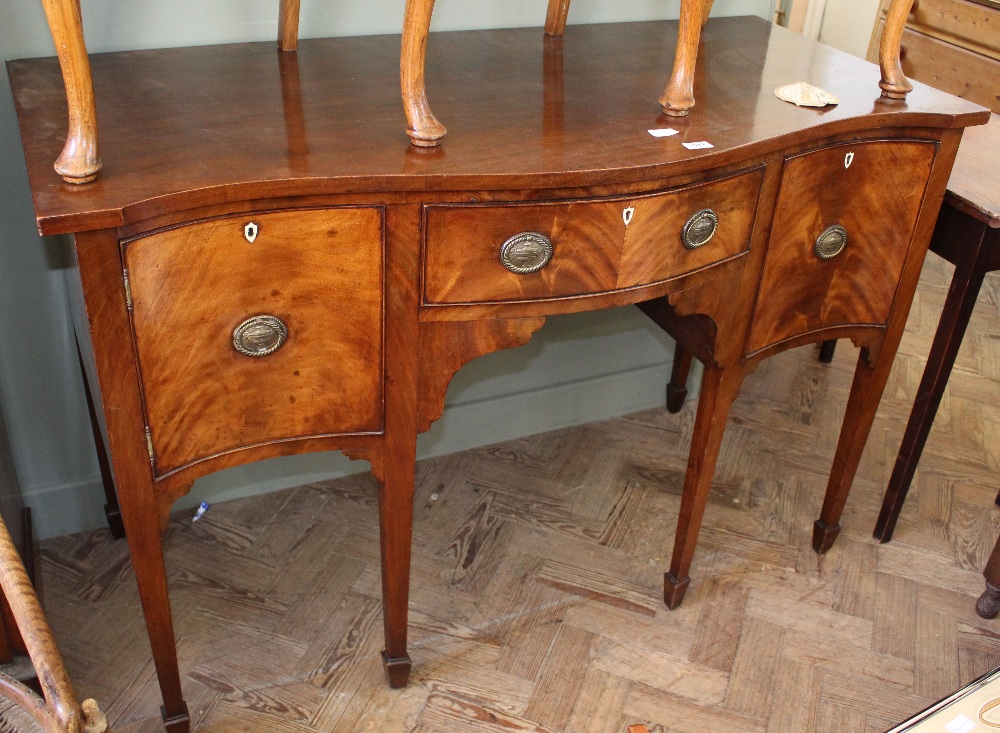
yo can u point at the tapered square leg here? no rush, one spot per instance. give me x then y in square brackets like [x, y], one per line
[718, 390]
[866, 391]
[976, 245]
[677, 388]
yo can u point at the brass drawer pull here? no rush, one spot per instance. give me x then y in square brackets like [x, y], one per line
[831, 242]
[260, 335]
[526, 252]
[699, 228]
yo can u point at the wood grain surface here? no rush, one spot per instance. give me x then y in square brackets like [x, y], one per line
[524, 546]
[192, 286]
[876, 198]
[195, 139]
[339, 257]
[594, 250]
[973, 184]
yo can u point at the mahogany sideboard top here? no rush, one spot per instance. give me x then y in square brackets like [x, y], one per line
[524, 112]
[267, 266]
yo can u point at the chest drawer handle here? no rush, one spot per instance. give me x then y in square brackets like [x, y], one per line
[260, 335]
[526, 252]
[831, 242]
[699, 228]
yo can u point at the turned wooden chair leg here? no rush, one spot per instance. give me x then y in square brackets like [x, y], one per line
[677, 388]
[719, 388]
[422, 126]
[894, 83]
[79, 161]
[59, 711]
[288, 25]
[555, 17]
[678, 98]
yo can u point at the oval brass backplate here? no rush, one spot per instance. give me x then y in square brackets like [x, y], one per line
[526, 252]
[831, 242]
[699, 228]
[260, 335]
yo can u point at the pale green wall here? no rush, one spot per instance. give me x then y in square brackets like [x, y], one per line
[579, 368]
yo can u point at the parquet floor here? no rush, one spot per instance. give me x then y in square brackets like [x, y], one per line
[537, 578]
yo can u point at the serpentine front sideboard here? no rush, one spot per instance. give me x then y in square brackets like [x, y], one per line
[266, 266]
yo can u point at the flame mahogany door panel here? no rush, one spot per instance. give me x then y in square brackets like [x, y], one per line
[192, 286]
[874, 190]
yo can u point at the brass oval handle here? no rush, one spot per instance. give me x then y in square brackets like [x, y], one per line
[831, 242]
[260, 335]
[699, 228]
[526, 252]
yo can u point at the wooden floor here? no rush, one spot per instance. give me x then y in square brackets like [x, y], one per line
[537, 580]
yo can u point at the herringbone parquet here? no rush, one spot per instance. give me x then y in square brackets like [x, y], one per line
[538, 569]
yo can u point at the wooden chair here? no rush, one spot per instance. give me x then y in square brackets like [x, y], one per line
[59, 711]
[79, 161]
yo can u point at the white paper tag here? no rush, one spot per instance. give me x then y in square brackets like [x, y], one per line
[702, 145]
[665, 132]
[961, 724]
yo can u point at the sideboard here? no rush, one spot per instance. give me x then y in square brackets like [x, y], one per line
[266, 266]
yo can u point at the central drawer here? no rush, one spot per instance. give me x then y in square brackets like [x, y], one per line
[594, 245]
[256, 329]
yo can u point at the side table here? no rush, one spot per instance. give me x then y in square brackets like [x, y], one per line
[967, 234]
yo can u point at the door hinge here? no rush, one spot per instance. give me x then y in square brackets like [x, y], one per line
[149, 446]
[128, 290]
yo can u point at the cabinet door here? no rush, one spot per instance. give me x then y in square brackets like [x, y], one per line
[873, 192]
[255, 329]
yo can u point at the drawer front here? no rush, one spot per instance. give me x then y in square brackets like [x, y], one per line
[872, 190]
[319, 273]
[597, 246]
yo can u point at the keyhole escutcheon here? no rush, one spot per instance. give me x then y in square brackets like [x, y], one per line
[848, 159]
